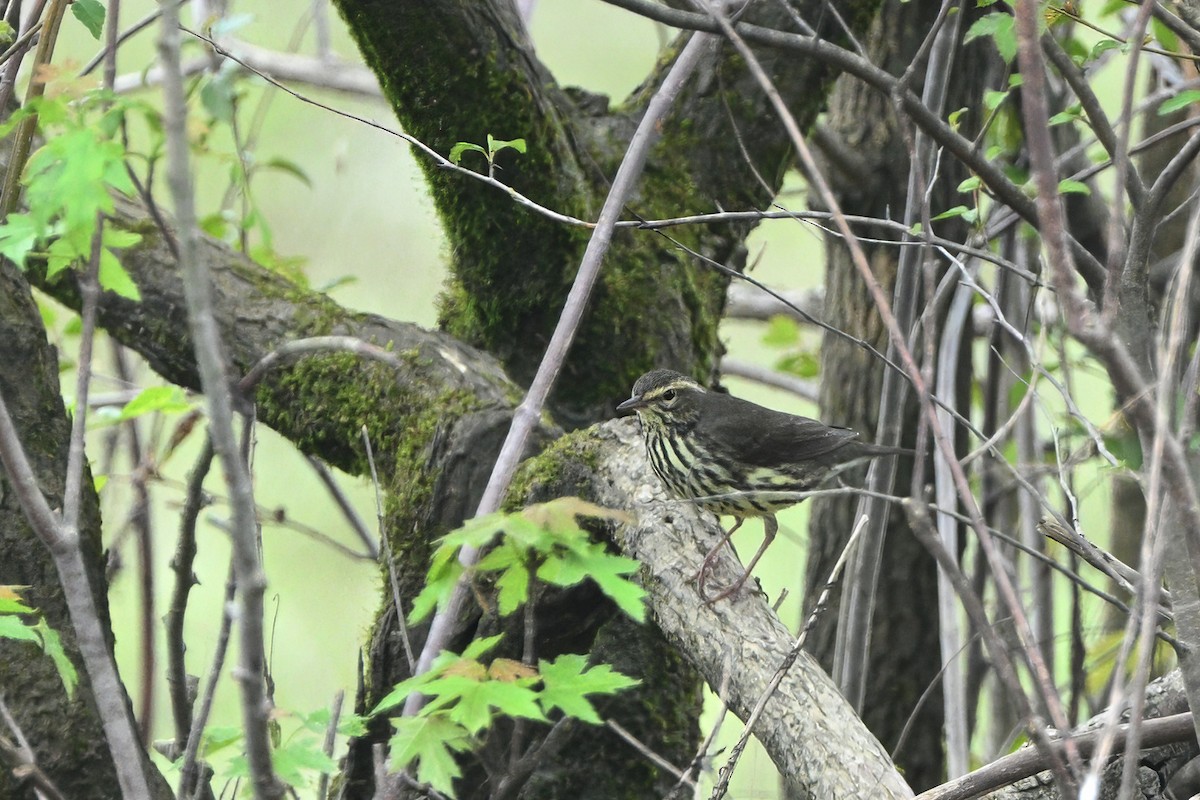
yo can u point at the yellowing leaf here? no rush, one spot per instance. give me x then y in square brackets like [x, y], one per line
[507, 669]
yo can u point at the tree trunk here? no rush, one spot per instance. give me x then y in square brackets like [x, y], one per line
[65, 735]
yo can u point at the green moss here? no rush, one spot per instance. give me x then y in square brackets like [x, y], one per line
[562, 469]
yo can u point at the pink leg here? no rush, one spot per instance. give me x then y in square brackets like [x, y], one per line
[770, 528]
[711, 557]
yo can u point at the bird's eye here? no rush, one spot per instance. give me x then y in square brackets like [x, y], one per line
[669, 396]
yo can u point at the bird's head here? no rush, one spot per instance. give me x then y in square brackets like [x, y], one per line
[665, 397]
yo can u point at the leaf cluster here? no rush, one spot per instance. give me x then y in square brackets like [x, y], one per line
[543, 541]
[69, 183]
[295, 757]
[465, 695]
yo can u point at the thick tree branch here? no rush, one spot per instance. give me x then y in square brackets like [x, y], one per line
[810, 732]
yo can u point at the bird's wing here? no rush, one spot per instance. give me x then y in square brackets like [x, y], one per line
[764, 437]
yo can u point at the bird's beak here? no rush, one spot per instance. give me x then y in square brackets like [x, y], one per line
[632, 404]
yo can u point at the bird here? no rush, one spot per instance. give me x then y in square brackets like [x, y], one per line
[734, 457]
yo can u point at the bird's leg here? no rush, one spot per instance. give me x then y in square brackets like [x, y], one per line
[770, 528]
[711, 557]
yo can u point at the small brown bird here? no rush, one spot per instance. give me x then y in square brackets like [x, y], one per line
[735, 457]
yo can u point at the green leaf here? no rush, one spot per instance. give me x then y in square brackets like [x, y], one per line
[430, 741]
[52, 644]
[119, 239]
[14, 628]
[71, 175]
[802, 364]
[1165, 36]
[62, 254]
[290, 167]
[955, 117]
[295, 760]
[114, 278]
[970, 184]
[957, 211]
[480, 647]
[998, 27]
[10, 601]
[513, 590]
[1103, 46]
[606, 569]
[496, 145]
[352, 725]
[566, 685]
[91, 14]
[456, 152]
[992, 99]
[218, 95]
[1068, 186]
[215, 225]
[18, 236]
[1179, 101]
[401, 691]
[229, 24]
[782, 331]
[1071, 114]
[165, 399]
[471, 700]
[1125, 446]
[219, 737]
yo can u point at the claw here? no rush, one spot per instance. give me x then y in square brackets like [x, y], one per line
[770, 528]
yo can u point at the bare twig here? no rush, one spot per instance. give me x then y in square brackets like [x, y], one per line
[251, 581]
[647, 753]
[178, 683]
[769, 377]
[386, 544]
[335, 714]
[21, 759]
[349, 512]
[190, 770]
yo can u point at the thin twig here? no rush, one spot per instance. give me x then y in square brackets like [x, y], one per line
[179, 685]
[189, 772]
[647, 753]
[23, 761]
[210, 359]
[335, 714]
[349, 512]
[386, 546]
